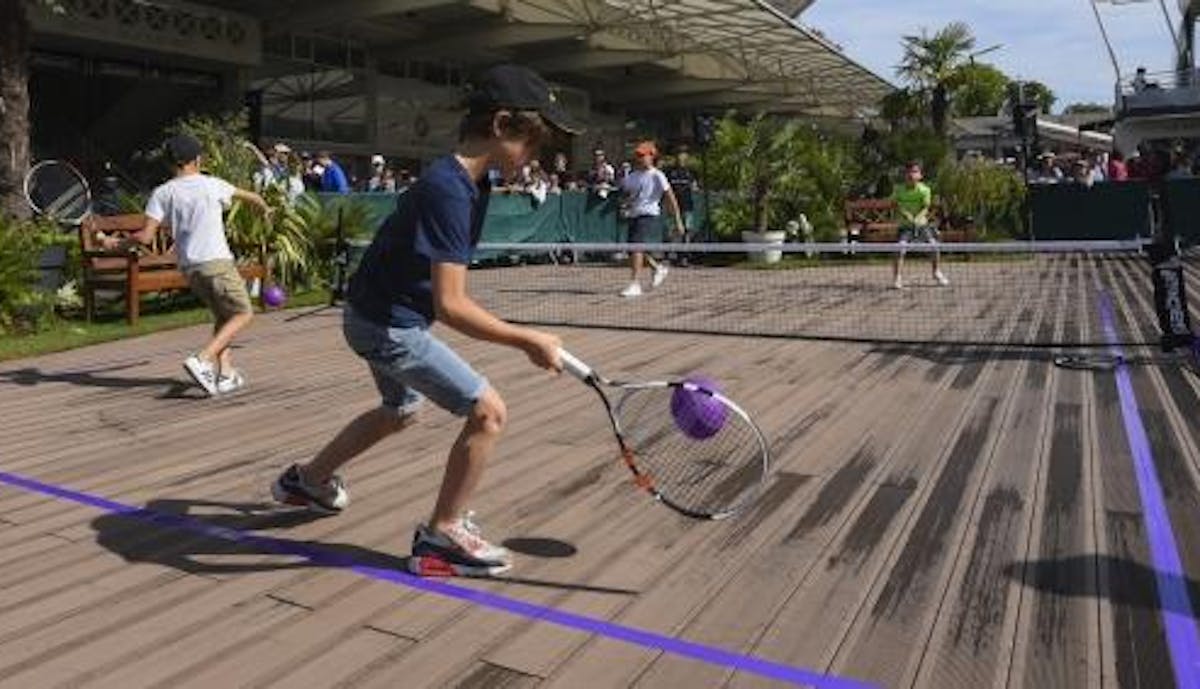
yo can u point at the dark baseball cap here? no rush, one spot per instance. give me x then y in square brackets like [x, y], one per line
[520, 88]
[183, 148]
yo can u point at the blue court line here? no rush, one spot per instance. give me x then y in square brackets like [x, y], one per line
[1179, 621]
[539, 613]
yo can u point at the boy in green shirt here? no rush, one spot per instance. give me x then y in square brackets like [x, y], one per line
[913, 201]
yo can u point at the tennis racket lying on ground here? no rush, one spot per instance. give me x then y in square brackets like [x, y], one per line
[59, 192]
[689, 446]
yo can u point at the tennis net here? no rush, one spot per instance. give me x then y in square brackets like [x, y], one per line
[1020, 293]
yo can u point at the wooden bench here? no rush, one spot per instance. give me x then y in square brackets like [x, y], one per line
[874, 220]
[154, 269]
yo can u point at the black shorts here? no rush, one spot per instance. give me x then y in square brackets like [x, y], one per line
[644, 229]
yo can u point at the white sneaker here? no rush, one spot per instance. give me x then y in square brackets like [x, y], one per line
[202, 372]
[231, 383]
[660, 274]
[899, 284]
[633, 290]
[941, 279]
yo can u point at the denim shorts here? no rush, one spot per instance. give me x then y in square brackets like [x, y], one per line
[923, 234]
[410, 364]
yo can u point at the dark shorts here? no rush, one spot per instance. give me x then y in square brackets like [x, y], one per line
[644, 229]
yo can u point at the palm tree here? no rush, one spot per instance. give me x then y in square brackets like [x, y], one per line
[14, 106]
[15, 33]
[933, 65]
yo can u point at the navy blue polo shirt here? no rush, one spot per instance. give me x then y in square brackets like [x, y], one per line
[439, 220]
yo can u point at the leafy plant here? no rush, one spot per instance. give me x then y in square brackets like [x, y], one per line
[25, 306]
[992, 195]
[769, 171]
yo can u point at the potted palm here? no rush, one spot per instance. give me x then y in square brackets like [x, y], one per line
[750, 162]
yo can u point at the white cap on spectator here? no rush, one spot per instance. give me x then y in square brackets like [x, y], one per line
[377, 159]
[281, 147]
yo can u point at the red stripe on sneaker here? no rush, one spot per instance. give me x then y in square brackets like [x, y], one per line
[434, 567]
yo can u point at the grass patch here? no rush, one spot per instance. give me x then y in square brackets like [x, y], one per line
[161, 315]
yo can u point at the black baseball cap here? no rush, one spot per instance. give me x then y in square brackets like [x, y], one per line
[520, 88]
[183, 148]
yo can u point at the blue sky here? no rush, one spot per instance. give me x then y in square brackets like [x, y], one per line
[1053, 41]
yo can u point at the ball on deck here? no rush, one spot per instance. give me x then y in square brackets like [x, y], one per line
[696, 413]
[274, 296]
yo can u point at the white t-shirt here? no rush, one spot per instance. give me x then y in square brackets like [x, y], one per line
[192, 207]
[645, 189]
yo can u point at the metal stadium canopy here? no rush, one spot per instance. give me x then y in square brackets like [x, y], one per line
[643, 55]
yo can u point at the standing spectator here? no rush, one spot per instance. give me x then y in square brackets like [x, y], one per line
[1081, 175]
[333, 178]
[1047, 171]
[562, 170]
[602, 177]
[1181, 168]
[1139, 80]
[378, 168]
[1117, 170]
[1099, 168]
[389, 181]
[683, 183]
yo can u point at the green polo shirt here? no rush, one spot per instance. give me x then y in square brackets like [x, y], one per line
[913, 201]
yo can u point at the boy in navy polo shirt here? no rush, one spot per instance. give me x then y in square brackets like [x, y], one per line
[415, 273]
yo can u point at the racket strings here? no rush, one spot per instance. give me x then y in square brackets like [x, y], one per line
[57, 191]
[712, 472]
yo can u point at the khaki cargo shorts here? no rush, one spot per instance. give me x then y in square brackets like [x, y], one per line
[222, 289]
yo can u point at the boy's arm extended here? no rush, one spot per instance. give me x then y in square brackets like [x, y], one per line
[676, 211]
[253, 199]
[143, 236]
[458, 310]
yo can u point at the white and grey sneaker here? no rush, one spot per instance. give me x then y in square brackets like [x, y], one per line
[633, 290]
[459, 550]
[941, 279]
[660, 275]
[291, 489]
[231, 383]
[203, 372]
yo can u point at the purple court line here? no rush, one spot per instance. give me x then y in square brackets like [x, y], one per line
[539, 613]
[1177, 615]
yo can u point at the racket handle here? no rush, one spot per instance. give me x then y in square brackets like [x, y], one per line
[574, 366]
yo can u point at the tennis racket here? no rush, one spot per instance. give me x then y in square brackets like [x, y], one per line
[1187, 358]
[691, 448]
[56, 190]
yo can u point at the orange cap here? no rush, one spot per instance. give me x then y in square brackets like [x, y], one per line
[646, 148]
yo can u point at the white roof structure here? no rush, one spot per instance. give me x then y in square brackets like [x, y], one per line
[643, 55]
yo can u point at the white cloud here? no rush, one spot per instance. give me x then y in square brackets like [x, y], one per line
[1053, 41]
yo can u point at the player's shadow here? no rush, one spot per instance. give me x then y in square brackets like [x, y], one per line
[209, 537]
[96, 378]
[1119, 580]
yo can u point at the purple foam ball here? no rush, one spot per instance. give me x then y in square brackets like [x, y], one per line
[274, 296]
[697, 414]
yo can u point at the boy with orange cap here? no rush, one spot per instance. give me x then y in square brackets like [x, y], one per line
[646, 187]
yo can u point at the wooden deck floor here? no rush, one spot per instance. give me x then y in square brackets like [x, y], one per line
[939, 518]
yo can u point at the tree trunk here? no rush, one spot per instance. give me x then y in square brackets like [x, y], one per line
[14, 107]
[939, 107]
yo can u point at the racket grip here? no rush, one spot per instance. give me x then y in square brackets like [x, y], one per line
[574, 366]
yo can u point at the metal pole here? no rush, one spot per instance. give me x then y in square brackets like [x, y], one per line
[1112, 54]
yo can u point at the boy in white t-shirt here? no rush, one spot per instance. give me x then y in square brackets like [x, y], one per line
[644, 189]
[192, 205]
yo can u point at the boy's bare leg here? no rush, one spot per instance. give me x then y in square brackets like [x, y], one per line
[356, 438]
[636, 260]
[216, 349]
[468, 457]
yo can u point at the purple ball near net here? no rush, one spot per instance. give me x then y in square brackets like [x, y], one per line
[274, 296]
[696, 413]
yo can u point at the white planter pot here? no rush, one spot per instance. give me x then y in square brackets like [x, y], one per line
[768, 237]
